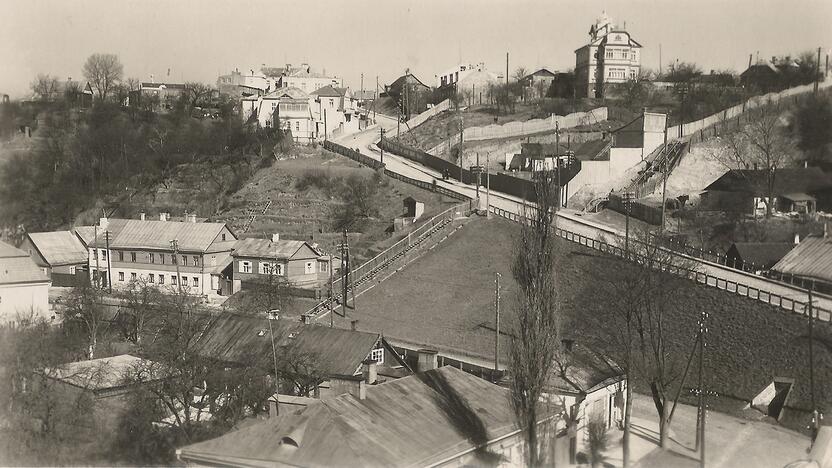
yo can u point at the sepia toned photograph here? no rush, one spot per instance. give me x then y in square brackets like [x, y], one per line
[416, 233]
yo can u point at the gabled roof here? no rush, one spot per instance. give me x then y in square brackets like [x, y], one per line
[811, 258]
[397, 85]
[290, 92]
[138, 234]
[17, 267]
[786, 180]
[265, 248]
[85, 233]
[365, 95]
[233, 338]
[583, 371]
[59, 247]
[327, 91]
[541, 72]
[447, 412]
[764, 254]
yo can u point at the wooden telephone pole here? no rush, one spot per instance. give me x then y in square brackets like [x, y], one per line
[174, 244]
[497, 322]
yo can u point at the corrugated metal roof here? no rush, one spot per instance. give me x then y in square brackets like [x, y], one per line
[17, 267]
[86, 233]
[138, 234]
[265, 248]
[59, 247]
[413, 421]
[811, 258]
[338, 352]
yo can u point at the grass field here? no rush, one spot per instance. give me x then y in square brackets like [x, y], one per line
[445, 300]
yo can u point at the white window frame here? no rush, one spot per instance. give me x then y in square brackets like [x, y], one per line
[309, 268]
[195, 281]
[121, 276]
[245, 266]
[377, 355]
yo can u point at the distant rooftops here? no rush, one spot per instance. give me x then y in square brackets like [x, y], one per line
[139, 234]
[17, 267]
[59, 247]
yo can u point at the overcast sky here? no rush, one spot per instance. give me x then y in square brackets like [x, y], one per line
[199, 39]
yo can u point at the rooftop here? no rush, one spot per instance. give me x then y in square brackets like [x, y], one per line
[265, 248]
[234, 337]
[59, 247]
[97, 374]
[17, 267]
[764, 254]
[811, 258]
[447, 412]
[138, 234]
[328, 91]
[786, 181]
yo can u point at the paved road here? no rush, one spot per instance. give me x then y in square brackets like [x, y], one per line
[583, 224]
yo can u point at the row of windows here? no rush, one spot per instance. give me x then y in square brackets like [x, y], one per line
[194, 259]
[152, 278]
[620, 53]
[268, 268]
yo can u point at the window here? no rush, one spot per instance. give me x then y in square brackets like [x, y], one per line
[151, 278]
[184, 260]
[195, 260]
[152, 257]
[323, 266]
[121, 256]
[173, 279]
[245, 267]
[121, 276]
[184, 281]
[310, 268]
[161, 279]
[196, 281]
[173, 259]
[95, 254]
[162, 257]
[377, 355]
[297, 126]
[103, 254]
[71, 270]
[132, 277]
[632, 74]
[609, 54]
[132, 256]
[223, 237]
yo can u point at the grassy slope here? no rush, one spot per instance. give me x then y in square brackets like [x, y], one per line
[445, 299]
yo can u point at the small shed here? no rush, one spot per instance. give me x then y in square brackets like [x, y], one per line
[413, 208]
[757, 255]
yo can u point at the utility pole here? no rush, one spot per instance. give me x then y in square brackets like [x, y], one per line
[627, 198]
[557, 163]
[174, 244]
[506, 68]
[497, 322]
[664, 179]
[703, 330]
[109, 264]
[381, 146]
[487, 185]
[461, 131]
[811, 346]
[345, 266]
[478, 177]
[817, 72]
[96, 255]
[331, 312]
[375, 98]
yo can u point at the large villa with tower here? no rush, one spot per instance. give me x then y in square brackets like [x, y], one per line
[611, 57]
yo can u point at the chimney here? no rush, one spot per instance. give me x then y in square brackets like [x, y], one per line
[162, 217]
[103, 223]
[276, 237]
[362, 390]
[370, 371]
[274, 408]
[353, 325]
[427, 359]
[142, 216]
[796, 238]
[191, 217]
[825, 229]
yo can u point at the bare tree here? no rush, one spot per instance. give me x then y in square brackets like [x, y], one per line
[103, 71]
[535, 341]
[197, 92]
[139, 311]
[85, 309]
[643, 299]
[763, 145]
[45, 87]
[520, 73]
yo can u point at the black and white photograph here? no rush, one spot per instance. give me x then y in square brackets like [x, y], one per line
[416, 233]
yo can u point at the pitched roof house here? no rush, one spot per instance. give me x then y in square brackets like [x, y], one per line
[795, 189]
[811, 259]
[60, 254]
[24, 288]
[756, 255]
[298, 262]
[452, 418]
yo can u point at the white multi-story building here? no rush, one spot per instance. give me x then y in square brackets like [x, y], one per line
[610, 57]
[24, 288]
[168, 254]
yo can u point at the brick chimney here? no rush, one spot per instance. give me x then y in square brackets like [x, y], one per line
[370, 371]
[142, 216]
[362, 390]
[427, 359]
